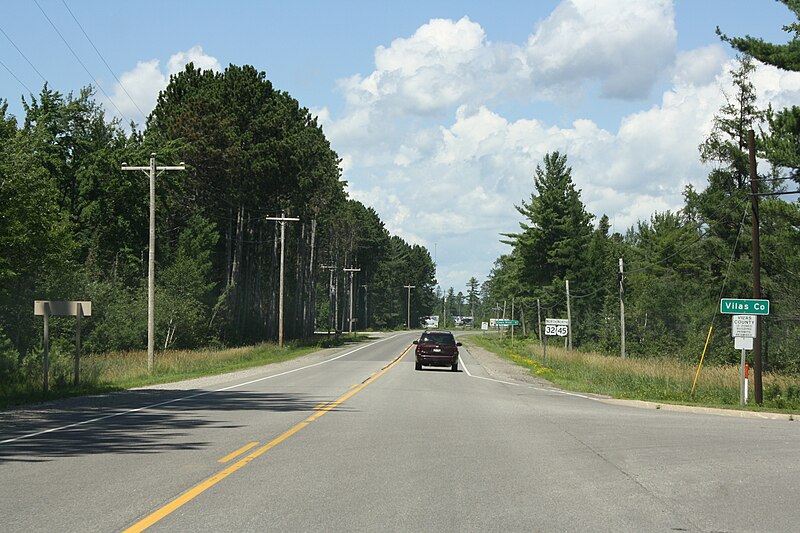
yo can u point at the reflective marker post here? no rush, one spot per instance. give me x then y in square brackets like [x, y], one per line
[746, 380]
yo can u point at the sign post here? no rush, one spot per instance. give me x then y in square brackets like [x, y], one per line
[740, 307]
[743, 330]
[47, 308]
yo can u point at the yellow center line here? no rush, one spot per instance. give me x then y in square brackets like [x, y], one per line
[216, 478]
[319, 405]
[238, 452]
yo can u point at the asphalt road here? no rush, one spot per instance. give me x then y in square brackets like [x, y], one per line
[355, 439]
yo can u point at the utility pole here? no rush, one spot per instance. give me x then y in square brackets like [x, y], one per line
[512, 321]
[621, 308]
[539, 319]
[408, 305]
[331, 312]
[366, 294]
[756, 253]
[151, 255]
[569, 319]
[282, 220]
[350, 322]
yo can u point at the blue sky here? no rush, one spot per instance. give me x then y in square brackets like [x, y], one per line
[440, 110]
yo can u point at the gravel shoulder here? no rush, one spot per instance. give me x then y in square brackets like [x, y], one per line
[502, 369]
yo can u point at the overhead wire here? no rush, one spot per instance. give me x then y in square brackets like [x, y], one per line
[23, 56]
[122, 86]
[15, 77]
[730, 263]
[97, 84]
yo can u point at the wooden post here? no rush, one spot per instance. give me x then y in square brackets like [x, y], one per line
[78, 316]
[46, 346]
[756, 252]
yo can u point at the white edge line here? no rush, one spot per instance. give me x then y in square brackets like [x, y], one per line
[466, 370]
[129, 411]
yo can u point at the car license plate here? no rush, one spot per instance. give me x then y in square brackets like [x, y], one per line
[436, 350]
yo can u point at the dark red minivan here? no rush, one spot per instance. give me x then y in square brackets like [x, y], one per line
[437, 348]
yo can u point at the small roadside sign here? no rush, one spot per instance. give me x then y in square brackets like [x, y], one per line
[743, 343]
[740, 306]
[484, 325]
[744, 326]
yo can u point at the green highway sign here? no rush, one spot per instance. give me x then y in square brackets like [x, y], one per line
[506, 322]
[739, 306]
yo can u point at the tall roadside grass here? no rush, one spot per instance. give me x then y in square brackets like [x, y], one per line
[654, 379]
[122, 370]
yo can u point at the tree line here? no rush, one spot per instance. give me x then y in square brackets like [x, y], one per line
[677, 265]
[73, 226]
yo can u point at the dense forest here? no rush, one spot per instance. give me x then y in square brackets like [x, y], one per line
[74, 226]
[677, 265]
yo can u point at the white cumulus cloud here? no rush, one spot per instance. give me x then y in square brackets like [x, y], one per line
[428, 147]
[623, 45]
[137, 91]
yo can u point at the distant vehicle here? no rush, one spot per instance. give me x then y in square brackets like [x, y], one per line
[463, 321]
[437, 348]
[429, 322]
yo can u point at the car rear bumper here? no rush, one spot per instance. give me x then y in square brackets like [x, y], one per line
[437, 360]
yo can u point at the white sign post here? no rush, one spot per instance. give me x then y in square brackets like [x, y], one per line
[743, 330]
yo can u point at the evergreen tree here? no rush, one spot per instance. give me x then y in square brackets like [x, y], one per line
[473, 297]
[555, 234]
[784, 56]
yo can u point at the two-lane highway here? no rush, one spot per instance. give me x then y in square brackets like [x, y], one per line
[356, 439]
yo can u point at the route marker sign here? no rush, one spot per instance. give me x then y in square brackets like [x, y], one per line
[739, 306]
[556, 327]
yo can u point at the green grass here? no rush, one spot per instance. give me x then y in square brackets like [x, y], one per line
[654, 379]
[102, 373]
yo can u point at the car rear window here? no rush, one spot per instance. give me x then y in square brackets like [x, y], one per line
[438, 338]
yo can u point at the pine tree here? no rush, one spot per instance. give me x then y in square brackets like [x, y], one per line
[552, 244]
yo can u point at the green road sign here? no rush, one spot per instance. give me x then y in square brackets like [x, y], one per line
[506, 322]
[738, 306]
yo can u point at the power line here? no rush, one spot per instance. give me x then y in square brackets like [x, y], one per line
[23, 56]
[15, 77]
[97, 84]
[103, 59]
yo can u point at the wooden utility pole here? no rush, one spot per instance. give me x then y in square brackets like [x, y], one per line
[350, 322]
[756, 253]
[366, 297]
[151, 256]
[539, 319]
[331, 312]
[569, 319]
[512, 321]
[408, 305]
[621, 309]
[282, 220]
